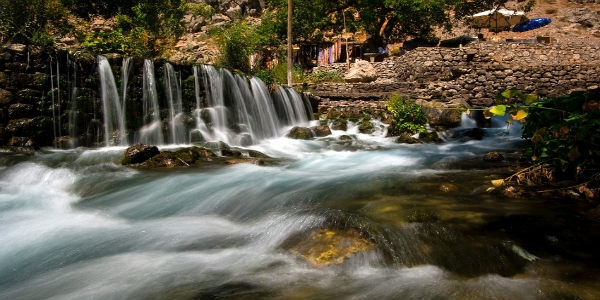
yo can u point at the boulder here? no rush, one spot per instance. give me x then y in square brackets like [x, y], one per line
[139, 153]
[321, 130]
[361, 71]
[300, 133]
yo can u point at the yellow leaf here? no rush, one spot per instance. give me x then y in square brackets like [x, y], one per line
[498, 110]
[520, 115]
[468, 112]
[529, 98]
[498, 182]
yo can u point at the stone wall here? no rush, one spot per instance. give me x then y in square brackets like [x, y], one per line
[473, 75]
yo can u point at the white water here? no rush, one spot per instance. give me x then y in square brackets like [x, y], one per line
[115, 132]
[77, 225]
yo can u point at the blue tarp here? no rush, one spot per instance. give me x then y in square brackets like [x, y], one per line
[532, 24]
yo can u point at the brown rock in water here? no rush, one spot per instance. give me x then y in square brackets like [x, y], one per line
[328, 246]
[493, 156]
[322, 130]
[300, 133]
[139, 153]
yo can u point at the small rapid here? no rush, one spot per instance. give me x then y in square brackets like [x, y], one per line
[418, 222]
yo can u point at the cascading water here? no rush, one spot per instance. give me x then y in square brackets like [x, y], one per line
[291, 107]
[242, 111]
[151, 133]
[115, 132]
[177, 128]
[78, 225]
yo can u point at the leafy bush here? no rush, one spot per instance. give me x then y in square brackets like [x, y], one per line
[29, 21]
[564, 131]
[408, 116]
[237, 43]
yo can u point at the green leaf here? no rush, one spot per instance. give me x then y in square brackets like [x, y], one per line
[498, 110]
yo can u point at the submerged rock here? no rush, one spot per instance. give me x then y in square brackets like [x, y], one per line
[493, 156]
[328, 246]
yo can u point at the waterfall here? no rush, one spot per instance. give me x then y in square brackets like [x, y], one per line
[232, 108]
[242, 111]
[114, 119]
[291, 107]
[125, 72]
[151, 131]
[53, 103]
[73, 109]
[176, 115]
[263, 107]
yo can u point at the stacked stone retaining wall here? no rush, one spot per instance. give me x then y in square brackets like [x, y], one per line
[473, 75]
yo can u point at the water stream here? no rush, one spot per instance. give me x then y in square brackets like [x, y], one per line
[78, 225]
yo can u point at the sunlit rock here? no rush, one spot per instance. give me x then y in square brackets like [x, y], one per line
[361, 71]
[328, 246]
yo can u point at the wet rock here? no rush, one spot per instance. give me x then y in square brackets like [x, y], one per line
[493, 156]
[321, 130]
[327, 246]
[406, 138]
[166, 159]
[300, 133]
[430, 137]
[139, 153]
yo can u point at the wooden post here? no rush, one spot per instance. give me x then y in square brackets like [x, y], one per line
[289, 44]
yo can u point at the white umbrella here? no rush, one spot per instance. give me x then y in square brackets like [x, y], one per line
[497, 19]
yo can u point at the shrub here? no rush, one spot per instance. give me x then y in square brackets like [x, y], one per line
[564, 131]
[409, 117]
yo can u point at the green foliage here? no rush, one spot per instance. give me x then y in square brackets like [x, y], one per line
[201, 9]
[237, 43]
[278, 74]
[29, 21]
[564, 131]
[408, 116]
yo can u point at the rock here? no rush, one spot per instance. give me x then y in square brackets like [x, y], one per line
[321, 130]
[430, 137]
[20, 110]
[300, 133]
[361, 71]
[6, 97]
[327, 246]
[493, 156]
[139, 153]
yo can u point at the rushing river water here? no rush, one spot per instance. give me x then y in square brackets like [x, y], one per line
[75, 224]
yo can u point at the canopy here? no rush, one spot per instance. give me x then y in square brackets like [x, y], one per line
[532, 24]
[497, 19]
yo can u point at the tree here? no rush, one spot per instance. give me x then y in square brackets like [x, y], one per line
[385, 21]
